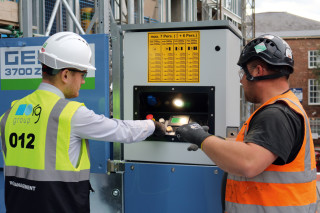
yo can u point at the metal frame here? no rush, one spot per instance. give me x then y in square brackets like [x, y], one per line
[248, 20]
[69, 11]
[26, 17]
[117, 79]
[105, 9]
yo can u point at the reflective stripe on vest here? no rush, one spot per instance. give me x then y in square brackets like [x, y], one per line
[280, 177]
[53, 171]
[240, 208]
[3, 124]
[284, 188]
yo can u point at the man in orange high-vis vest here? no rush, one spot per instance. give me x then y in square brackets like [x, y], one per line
[271, 165]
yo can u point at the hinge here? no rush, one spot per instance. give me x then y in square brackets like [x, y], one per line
[115, 166]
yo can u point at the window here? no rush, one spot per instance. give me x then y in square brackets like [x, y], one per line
[314, 59]
[315, 125]
[233, 6]
[314, 92]
[228, 4]
[225, 17]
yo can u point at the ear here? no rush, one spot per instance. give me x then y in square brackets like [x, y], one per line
[260, 70]
[64, 75]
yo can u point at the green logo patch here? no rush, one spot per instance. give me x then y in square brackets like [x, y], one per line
[260, 47]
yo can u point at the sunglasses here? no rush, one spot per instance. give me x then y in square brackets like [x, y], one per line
[84, 72]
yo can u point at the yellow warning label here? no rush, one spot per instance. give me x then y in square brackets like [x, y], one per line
[174, 57]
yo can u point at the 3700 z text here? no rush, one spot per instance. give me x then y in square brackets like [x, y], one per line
[22, 71]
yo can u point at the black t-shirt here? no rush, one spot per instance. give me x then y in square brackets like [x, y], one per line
[279, 129]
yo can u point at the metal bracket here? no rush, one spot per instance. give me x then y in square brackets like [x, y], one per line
[115, 166]
[232, 131]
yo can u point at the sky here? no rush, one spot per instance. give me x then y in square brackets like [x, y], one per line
[305, 8]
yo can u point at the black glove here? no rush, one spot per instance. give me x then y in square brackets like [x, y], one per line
[160, 129]
[192, 133]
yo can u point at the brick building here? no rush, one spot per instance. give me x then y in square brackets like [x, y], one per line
[304, 50]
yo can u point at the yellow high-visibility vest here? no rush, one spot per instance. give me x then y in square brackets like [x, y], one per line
[35, 135]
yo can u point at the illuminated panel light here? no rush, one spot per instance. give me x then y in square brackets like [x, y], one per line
[178, 103]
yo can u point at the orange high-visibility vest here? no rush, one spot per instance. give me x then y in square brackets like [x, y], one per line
[289, 188]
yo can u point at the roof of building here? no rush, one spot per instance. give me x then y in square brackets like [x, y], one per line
[286, 25]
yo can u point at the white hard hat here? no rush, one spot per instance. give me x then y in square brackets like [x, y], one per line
[66, 50]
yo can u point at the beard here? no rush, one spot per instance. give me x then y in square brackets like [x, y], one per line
[251, 98]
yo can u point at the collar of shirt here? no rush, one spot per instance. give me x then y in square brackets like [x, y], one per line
[51, 88]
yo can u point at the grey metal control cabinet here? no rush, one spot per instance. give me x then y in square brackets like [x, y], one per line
[170, 59]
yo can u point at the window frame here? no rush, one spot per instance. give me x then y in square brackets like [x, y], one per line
[315, 125]
[314, 58]
[313, 92]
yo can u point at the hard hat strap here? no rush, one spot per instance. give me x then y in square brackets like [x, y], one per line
[259, 78]
[265, 77]
[49, 70]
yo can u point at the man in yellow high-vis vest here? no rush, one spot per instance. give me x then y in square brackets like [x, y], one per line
[271, 164]
[44, 135]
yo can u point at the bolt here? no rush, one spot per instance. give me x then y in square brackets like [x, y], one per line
[173, 170]
[116, 193]
[132, 167]
[216, 171]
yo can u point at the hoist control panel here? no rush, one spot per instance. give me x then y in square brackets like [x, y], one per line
[177, 73]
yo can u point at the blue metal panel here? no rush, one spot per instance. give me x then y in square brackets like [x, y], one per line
[2, 206]
[159, 188]
[1, 160]
[96, 99]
